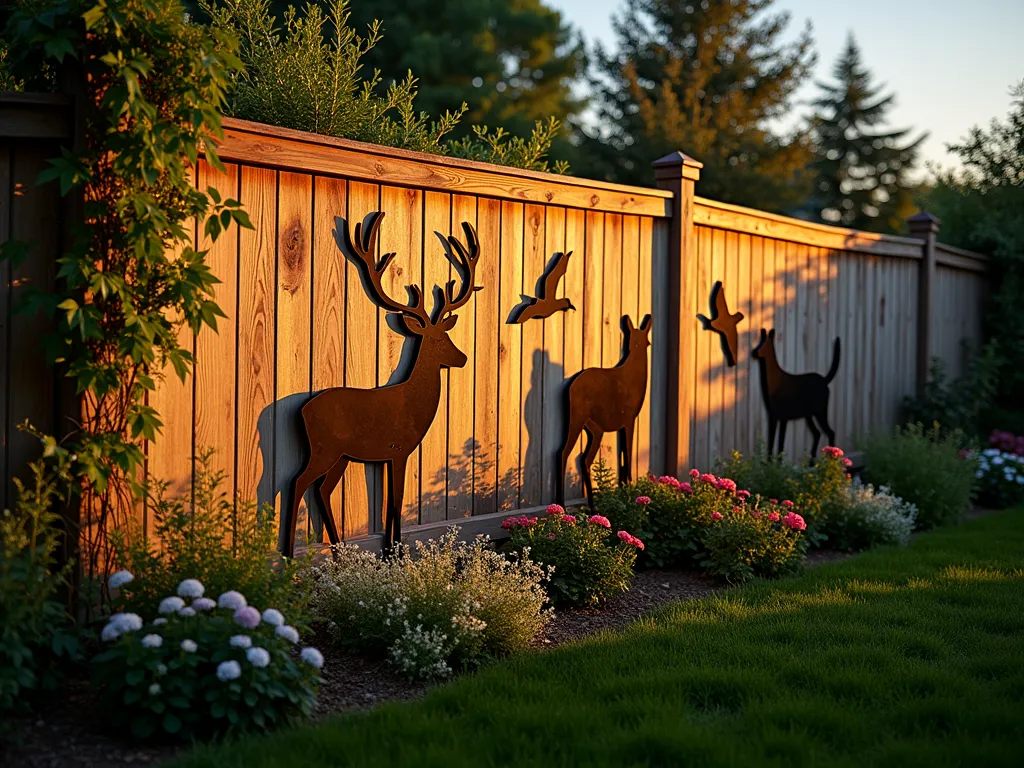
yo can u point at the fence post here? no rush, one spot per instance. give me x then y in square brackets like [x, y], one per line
[678, 174]
[924, 226]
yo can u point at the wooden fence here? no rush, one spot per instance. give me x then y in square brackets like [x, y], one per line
[299, 321]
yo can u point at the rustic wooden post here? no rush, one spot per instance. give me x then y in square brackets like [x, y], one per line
[678, 174]
[924, 226]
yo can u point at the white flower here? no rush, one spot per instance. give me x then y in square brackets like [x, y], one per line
[240, 641]
[229, 670]
[288, 632]
[171, 605]
[161, 669]
[204, 604]
[152, 641]
[154, 689]
[997, 460]
[258, 657]
[119, 579]
[273, 617]
[127, 622]
[110, 632]
[188, 610]
[158, 622]
[233, 600]
[189, 646]
[313, 657]
[190, 588]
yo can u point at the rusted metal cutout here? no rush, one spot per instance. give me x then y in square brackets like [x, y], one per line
[603, 400]
[384, 425]
[546, 303]
[723, 323]
[789, 396]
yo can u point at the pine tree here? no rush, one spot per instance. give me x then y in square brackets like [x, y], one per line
[705, 77]
[861, 170]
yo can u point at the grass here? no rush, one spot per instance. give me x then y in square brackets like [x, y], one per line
[908, 657]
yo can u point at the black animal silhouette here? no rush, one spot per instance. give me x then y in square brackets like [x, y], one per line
[546, 304]
[608, 400]
[723, 323]
[789, 396]
[385, 424]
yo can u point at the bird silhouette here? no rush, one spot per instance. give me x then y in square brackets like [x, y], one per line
[546, 304]
[723, 323]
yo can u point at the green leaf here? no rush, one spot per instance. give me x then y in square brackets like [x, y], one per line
[172, 723]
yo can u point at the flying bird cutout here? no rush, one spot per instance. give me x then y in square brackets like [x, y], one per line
[546, 304]
[723, 323]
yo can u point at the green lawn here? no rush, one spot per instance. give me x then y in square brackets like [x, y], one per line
[897, 657]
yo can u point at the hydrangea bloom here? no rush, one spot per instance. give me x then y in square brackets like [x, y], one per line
[127, 622]
[119, 579]
[794, 521]
[233, 600]
[110, 632]
[313, 657]
[247, 617]
[556, 509]
[716, 516]
[159, 621]
[229, 670]
[240, 641]
[191, 588]
[188, 610]
[152, 641]
[643, 501]
[601, 520]
[204, 604]
[273, 617]
[288, 632]
[154, 689]
[161, 669]
[171, 605]
[189, 646]
[258, 657]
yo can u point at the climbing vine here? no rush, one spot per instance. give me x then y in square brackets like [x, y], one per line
[152, 86]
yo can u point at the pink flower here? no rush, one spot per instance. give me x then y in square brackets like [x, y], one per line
[601, 520]
[787, 503]
[832, 452]
[667, 480]
[737, 510]
[743, 494]
[774, 517]
[551, 535]
[725, 484]
[694, 473]
[530, 521]
[509, 523]
[709, 478]
[774, 501]
[716, 516]
[630, 539]
[847, 462]
[755, 514]
[849, 476]
[248, 617]
[556, 509]
[570, 519]
[686, 488]
[643, 501]
[794, 521]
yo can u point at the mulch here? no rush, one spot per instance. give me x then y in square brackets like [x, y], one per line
[72, 733]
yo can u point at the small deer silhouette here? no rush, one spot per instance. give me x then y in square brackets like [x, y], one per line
[789, 396]
[608, 400]
[385, 424]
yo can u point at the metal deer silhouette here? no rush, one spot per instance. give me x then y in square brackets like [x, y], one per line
[605, 400]
[789, 396]
[384, 425]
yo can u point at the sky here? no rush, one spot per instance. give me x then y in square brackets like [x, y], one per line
[950, 64]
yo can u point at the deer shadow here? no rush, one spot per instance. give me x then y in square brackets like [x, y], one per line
[544, 418]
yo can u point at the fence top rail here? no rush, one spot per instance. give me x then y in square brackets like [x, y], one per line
[711, 213]
[35, 115]
[958, 258]
[284, 148]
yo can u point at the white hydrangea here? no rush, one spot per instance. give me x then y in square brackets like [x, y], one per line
[273, 617]
[232, 600]
[258, 657]
[159, 621]
[204, 604]
[240, 641]
[229, 670]
[288, 632]
[119, 579]
[171, 605]
[152, 641]
[161, 669]
[110, 632]
[191, 588]
[313, 657]
[189, 646]
[154, 689]
[187, 611]
[127, 622]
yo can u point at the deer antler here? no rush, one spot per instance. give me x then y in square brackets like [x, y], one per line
[468, 258]
[363, 248]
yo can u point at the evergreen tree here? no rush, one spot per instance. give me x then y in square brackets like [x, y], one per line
[705, 77]
[861, 169]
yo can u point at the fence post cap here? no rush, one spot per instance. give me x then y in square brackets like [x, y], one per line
[923, 222]
[676, 164]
